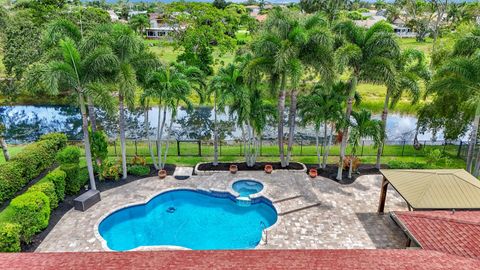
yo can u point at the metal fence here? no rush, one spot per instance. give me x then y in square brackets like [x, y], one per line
[269, 148]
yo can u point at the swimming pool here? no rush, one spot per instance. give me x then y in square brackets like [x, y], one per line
[190, 219]
[247, 187]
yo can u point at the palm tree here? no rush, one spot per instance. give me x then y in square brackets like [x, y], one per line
[370, 57]
[139, 23]
[283, 51]
[362, 127]
[411, 71]
[69, 70]
[322, 106]
[461, 75]
[169, 86]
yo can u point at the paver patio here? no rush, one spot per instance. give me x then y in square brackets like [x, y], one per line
[346, 217]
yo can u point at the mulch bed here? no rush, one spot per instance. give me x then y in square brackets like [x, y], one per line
[242, 166]
[331, 172]
[67, 204]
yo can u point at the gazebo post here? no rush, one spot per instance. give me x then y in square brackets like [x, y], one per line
[383, 195]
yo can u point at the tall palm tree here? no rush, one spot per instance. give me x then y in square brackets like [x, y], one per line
[284, 51]
[411, 70]
[363, 126]
[69, 70]
[369, 55]
[168, 86]
[322, 106]
[461, 75]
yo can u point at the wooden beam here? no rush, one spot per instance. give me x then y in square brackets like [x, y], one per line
[383, 195]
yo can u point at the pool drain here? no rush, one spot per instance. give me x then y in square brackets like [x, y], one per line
[171, 210]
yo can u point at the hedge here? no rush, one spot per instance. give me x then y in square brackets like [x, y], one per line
[29, 163]
[58, 177]
[32, 213]
[47, 187]
[69, 158]
[10, 237]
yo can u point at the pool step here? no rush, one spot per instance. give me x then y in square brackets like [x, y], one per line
[299, 209]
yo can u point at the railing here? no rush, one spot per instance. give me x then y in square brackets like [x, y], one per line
[269, 148]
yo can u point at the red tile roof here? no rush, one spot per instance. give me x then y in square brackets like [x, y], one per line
[455, 233]
[241, 259]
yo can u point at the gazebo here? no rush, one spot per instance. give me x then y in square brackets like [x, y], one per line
[432, 189]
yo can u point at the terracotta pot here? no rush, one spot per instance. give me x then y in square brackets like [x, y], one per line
[233, 168]
[268, 168]
[313, 173]
[162, 174]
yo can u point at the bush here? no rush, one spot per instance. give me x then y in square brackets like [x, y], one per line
[58, 178]
[72, 185]
[394, 164]
[110, 171]
[32, 211]
[138, 160]
[69, 154]
[35, 158]
[48, 188]
[11, 179]
[139, 170]
[57, 140]
[83, 176]
[99, 145]
[9, 237]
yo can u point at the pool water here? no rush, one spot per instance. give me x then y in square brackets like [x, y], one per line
[247, 187]
[189, 219]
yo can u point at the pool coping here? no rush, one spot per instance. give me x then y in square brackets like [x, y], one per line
[229, 190]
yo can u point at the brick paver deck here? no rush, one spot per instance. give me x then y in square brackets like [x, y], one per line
[345, 219]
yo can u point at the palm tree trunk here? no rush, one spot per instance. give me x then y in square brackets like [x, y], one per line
[327, 148]
[167, 143]
[161, 125]
[476, 171]
[291, 123]
[343, 146]
[86, 140]
[122, 135]
[324, 143]
[281, 109]
[384, 127]
[350, 167]
[317, 147]
[473, 139]
[147, 132]
[91, 114]
[4, 147]
[215, 130]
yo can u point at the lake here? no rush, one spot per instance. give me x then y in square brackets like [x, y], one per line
[27, 123]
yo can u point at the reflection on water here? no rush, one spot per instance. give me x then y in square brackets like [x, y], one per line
[27, 123]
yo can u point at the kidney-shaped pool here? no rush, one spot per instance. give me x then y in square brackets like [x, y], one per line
[190, 219]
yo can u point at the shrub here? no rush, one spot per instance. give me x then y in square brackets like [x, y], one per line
[72, 185]
[138, 160]
[83, 176]
[48, 188]
[394, 164]
[9, 237]
[32, 211]
[35, 158]
[58, 178]
[69, 154]
[110, 170]
[139, 170]
[57, 140]
[99, 145]
[11, 179]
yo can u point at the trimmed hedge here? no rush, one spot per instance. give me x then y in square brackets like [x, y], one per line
[58, 178]
[29, 163]
[47, 187]
[139, 170]
[10, 237]
[32, 212]
[69, 154]
[72, 183]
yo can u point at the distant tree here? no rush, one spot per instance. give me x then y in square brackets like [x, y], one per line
[139, 23]
[220, 4]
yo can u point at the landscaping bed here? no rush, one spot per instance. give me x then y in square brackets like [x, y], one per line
[330, 172]
[67, 204]
[242, 166]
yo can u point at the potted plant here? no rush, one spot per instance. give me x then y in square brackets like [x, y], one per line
[162, 174]
[233, 168]
[313, 172]
[268, 168]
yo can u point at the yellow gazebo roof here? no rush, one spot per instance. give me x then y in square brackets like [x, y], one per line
[436, 189]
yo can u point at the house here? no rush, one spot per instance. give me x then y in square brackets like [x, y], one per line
[399, 27]
[132, 13]
[370, 21]
[113, 16]
[161, 26]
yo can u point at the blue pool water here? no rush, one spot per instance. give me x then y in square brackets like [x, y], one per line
[188, 219]
[247, 187]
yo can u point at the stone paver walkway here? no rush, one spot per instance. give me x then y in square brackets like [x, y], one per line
[346, 217]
